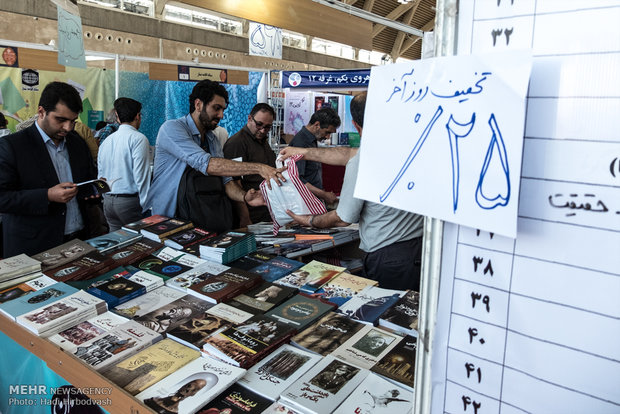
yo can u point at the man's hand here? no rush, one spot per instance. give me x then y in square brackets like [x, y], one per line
[288, 152]
[303, 220]
[62, 193]
[330, 197]
[268, 173]
[254, 198]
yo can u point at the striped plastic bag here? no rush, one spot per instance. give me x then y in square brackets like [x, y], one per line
[291, 195]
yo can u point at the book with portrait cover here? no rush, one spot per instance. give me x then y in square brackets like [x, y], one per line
[175, 313]
[16, 266]
[236, 399]
[159, 231]
[114, 240]
[311, 276]
[119, 290]
[225, 286]
[342, 288]
[139, 371]
[87, 266]
[134, 252]
[300, 311]
[228, 247]
[136, 226]
[44, 296]
[367, 346]
[63, 254]
[263, 297]
[81, 332]
[324, 386]
[245, 344]
[277, 268]
[39, 282]
[368, 304]
[403, 315]
[118, 343]
[327, 334]
[399, 363]
[196, 275]
[187, 237]
[61, 314]
[278, 371]
[191, 387]
[376, 395]
[148, 302]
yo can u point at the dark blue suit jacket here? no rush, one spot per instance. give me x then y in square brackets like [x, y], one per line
[31, 223]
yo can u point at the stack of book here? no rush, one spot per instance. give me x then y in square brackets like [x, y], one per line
[162, 230]
[134, 252]
[188, 237]
[327, 334]
[39, 281]
[114, 240]
[196, 275]
[148, 302]
[70, 338]
[228, 247]
[86, 266]
[62, 314]
[17, 269]
[136, 226]
[44, 296]
[263, 297]
[63, 254]
[122, 289]
[225, 286]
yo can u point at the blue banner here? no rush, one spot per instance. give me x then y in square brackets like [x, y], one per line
[332, 78]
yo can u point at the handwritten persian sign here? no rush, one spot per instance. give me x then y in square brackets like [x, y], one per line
[443, 137]
[70, 44]
[265, 40]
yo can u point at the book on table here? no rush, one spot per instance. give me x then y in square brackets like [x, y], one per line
[300, 311]
[159, 231]
[263, 297]
[236, 399]
[122, 289]
[311, 276]
[148, 302]
[44, 296]
[136, 226]
[368, 304]
[376, 395]
[327, 333]
[39, 282]
[175, 313]
[13, 267]
[133, 252]
[403, 315]
[63, 254]
[81, 332]
[87, 266]
[342, 288]
[188, 237]
[367, 346]
[114, 240]
[225, 286]
[398, 365]
[277, 268]
[196, 275]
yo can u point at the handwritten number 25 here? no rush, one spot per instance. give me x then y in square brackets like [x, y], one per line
[456, 130]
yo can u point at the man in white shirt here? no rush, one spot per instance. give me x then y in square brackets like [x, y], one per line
[124, 161]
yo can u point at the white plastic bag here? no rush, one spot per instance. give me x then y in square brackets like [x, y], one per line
[291, 195]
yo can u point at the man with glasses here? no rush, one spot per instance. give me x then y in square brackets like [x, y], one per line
[39, 167]
[251, 144]
[323, 123]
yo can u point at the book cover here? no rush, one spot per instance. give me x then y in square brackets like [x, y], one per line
[97, 280]
[377, 396]
[367, 347]
[63, 254]
[195, 331]
[117, 291]
[236, 399]
[368, 304]
[230, 313]
[196, 275]
[136, 226]
[96, 187]
[13, 267]
[8, 284]
[141, 370]
[114, 240]
[61, 314]
[251, 261]
[191, 387]
[228, 247]
[163, 268]
[327, 334]
[39, 282]
[116, 344]
[133, 252]
[175, 313]
[42, 297]
[244, 345]
[162, 230]
[399, 363]
[324, 386]
[278, 371]
[278, 408]
[186, 237]
[342, 288]
[88, 265]
[403, 315]
[277, 268]
[81, 332]
[300, 311]
[148, 302]
[263, 297]
[311, 276]
[225, 286]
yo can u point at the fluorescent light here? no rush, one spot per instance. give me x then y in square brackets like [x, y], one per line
[338, 5]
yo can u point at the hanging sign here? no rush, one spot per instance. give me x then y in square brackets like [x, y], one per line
[331, 78]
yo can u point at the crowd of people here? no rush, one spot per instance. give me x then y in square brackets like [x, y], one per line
[42, 164]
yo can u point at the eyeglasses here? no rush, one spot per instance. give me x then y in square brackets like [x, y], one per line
[261, 125]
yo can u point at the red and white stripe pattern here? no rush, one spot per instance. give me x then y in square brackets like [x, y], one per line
[311, 203]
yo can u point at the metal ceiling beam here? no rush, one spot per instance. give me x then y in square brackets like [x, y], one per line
[393, 15]
[410, 42]
[400, 37]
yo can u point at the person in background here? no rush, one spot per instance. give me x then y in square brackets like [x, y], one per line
[189, 141]
[251, 144]
[39, 167]
[110, 128]
[124, 161]
[391, 238]
[88, 137]
[4, 130]
[323, 123]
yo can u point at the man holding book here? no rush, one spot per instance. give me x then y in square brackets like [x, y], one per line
[391, 238]
[39, 167]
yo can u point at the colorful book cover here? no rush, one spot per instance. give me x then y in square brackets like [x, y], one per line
[117, 291]
[368, 305]
[342, 288]
[277, 268]
[300, 311]
[45, 296]
[327, 334]
[311, 276]
[37, 283]
[367, 346]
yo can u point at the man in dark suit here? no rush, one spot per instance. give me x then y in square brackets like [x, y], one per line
[39, 167]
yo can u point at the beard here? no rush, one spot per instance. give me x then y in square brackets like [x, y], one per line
[208, 123]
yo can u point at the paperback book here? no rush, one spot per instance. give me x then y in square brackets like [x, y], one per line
[199, 328]
[114, 240]
[191, 387]
[196, 275]
[228, 247]
[263, 297]
[342, 288]
[403, 315]
[96, 187]
[70, 338]
[175, 313]
[122, 289]
[377, 396]
[134, 252]
[311, 276]
[278, 371]
[141, 370]
[251, 261]
[162, 230]
[42, 297]
[236, 399]
[187, 237]
[327, 334]
[114, 273]
[63, 254]
[277, 268]
[39, 282]
[225, 286]
[136, 226]
[13, 267]
[399, 363]
[300, 311]
[367, 347]
[89, 265]
[148, 302]
[368, 305]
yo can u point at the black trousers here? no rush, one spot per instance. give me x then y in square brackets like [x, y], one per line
[396, 266]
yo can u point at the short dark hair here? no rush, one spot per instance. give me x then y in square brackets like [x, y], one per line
[358, 105]
[56, 92]
[326, 117]
[205, 90]
[100, 125]
[3, 121]
[262, 107]
[127, 109]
